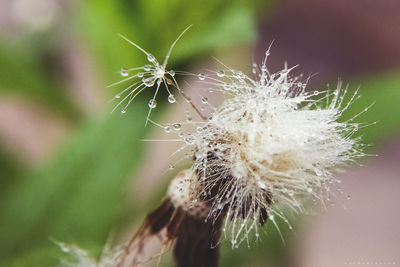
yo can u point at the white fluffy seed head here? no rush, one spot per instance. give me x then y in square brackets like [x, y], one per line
[270, 142]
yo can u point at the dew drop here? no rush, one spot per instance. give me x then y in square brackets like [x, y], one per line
[177, 126]
[171, 167]
[172, 73]
[123, 72]
[152, 103]
[257, 235]
[271, 217]
[123, 111]
[167, 129]
[171, 99]
[149, 82]
[204, 100]
[348, 197]
[64, 248]
[140, 74]
[201, 76]
[221, 73]
[309, 190]
[147, 67]
[267, 54]
[151, 58]
[117, 96]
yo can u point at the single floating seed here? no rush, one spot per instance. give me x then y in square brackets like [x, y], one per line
[123, 72]
[152, 103]
[171, 99]
[201, 76]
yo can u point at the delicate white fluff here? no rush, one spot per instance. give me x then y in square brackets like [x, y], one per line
[270, 135]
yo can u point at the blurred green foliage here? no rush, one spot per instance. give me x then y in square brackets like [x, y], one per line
[80, 193]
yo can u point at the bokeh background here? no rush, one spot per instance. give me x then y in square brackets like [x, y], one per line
[73, 172]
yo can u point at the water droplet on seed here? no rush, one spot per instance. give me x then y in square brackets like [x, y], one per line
[167, 129]
[64, 248]
[149, 82]
[172, 73]
[123, 111]
[124, 72]
[147, 67]
[177, 126]
[221, 73]
[152, 103]
[201, 76]
[140, 74]
[204, 100]
[151, 58]
[171, 99]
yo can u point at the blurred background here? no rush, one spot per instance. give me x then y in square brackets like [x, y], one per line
[73, 172]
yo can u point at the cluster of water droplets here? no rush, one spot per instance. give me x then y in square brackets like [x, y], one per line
[152, 75]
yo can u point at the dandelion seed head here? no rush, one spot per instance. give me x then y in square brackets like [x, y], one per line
[270, 142]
